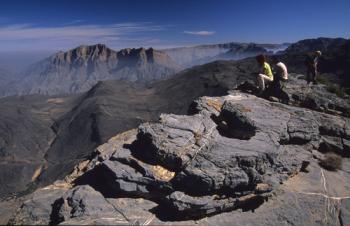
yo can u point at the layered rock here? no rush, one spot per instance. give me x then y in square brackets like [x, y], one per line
[231, 154]
[298, 93]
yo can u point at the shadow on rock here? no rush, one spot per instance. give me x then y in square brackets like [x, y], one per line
[233, 122]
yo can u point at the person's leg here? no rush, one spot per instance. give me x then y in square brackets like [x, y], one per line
[262, 79]
[315, 76]
[261, 83]
[308, 75]
[278, 88]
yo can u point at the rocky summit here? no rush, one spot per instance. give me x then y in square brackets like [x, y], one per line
[235, 159]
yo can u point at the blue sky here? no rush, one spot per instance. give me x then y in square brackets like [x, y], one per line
[60, 25]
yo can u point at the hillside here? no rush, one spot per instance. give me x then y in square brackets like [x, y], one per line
[309, 45]
[196, 55]
[71, 127]
[333, 64]
[90, 119]
[44, 139]
[5, 78]
[235, 159]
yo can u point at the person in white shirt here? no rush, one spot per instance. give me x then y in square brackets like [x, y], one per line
[281, 76]
[282, 71]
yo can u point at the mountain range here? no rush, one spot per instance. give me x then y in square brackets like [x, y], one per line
[68, 128]
[190, 56]
[194, 124]
[61, 131]
[77, 70]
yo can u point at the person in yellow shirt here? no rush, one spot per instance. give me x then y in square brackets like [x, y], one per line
[265, 75]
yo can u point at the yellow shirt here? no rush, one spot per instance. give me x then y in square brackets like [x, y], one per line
[267, 70]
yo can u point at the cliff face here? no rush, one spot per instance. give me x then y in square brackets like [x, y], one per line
[79, 69]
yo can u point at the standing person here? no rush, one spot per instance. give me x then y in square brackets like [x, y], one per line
[265, 75]
[311, 63]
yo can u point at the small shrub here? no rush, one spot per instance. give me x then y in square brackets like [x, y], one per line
[330, 86]
[322, 80]
[336, 90]
[332, 161]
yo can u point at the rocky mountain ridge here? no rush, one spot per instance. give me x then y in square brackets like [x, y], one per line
[309, 45]
[77, 70]
[196, 55]
[111, 107]
[230, 154]
[266, 142]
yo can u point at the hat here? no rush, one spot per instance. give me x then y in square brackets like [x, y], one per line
[318, 52]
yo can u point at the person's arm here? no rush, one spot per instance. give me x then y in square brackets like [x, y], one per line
[315, 62]
[264, 69]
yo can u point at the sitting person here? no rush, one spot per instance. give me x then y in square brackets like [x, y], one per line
[280, 76]
[265, 76]
[281, 70]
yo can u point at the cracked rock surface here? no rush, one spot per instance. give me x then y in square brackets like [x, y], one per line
[237, 159]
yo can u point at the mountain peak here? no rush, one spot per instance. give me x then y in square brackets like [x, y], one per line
[144, 55]
[96, 46]
[78, 69]
[84, 53]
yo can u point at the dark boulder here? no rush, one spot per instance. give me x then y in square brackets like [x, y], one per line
[83, 203]
[235, 122]
[38, 208]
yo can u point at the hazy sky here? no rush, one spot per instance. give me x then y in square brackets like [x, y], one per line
[62, 24]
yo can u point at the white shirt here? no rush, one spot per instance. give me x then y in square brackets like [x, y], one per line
[283, 70]
[316, 61]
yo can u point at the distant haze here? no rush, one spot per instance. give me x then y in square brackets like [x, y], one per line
[19, 60]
